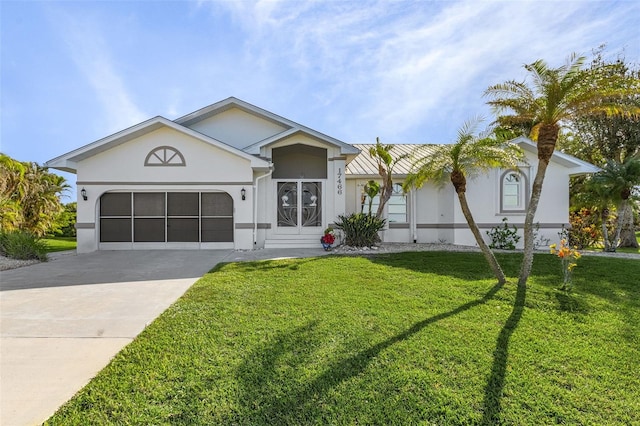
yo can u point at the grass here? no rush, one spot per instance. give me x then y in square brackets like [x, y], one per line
[630, 249]
[59, 243]
[411, 338]
[600, 246]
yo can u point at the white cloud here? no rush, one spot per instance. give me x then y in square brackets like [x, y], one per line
[92, 56]
[395, 67]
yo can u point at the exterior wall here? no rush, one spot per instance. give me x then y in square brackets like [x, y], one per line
[334, 187]
[237, 128]
[435, 214]
[263, 217]
[208, 168]
[204, 162]
[483, 196]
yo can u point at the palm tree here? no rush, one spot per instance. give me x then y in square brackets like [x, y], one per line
[467, 156]
[554, 97]
[619, 180]
[371, 190]
[386, 163]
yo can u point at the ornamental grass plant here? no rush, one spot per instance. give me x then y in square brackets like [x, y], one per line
[22, 245]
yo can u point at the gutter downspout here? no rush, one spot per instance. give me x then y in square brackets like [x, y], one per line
[255, 204]
[414, 212]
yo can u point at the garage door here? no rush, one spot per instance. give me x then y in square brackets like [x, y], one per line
[148, 217]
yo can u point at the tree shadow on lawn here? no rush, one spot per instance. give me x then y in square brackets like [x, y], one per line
[266, 265]
[603, 277]
[492, 405]
[270, 398]
[469, 266]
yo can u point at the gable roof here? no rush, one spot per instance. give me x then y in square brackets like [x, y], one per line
[576, 165]
[365, 166]
[291, 126]
[67, 162]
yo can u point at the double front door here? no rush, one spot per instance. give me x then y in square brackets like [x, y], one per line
[299, 206]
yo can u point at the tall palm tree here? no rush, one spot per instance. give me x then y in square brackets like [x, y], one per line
[554, 97]
[466, 157]
[619, 180]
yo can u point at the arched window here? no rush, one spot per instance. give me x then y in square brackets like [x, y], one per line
[164, 156]
[513, 191]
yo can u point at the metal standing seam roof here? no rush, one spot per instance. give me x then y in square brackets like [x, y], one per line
[364, 165]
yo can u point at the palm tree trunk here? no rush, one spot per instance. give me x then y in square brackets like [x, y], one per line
[605, 232]
[486, 251]
[628, 235]
[622, 208]
[385, 192]
[547, 137]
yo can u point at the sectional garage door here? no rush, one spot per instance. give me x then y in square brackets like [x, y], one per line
[166, 217]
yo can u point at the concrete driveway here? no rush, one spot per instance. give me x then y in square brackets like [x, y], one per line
[62, 321]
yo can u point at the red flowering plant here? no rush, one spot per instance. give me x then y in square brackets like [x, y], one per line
[328, 238]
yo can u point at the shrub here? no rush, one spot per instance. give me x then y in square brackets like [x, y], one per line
[22, 245]
[584, 230]
[360, 229]
[65, 224]
[504, 237]
[538, 239]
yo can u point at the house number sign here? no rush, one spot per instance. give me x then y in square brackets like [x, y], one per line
[339, 181]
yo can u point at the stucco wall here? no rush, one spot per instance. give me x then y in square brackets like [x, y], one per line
[208, 168]
[204, 162]
[334, 194]
[237, 128]
[437, 216]
[483, 196]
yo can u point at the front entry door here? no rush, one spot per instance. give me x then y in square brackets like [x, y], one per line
[299, 207]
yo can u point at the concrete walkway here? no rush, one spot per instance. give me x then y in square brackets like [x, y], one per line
[62, 321]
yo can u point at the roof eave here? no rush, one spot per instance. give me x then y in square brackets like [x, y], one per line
[62, 165]
[566, 160]
[69, 160]
[345, 148]
[291, 126]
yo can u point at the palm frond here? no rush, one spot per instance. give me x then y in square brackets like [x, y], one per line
[469, 154]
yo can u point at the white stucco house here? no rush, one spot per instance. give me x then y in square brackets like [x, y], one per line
[233, 175]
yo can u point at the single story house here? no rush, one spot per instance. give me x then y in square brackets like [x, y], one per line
[235, 176]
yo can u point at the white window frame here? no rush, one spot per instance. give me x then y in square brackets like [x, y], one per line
[515, 180]
[396, 195]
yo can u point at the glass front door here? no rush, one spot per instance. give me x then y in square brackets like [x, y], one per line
[299, 206]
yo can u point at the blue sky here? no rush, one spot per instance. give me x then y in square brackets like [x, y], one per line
[73, 72]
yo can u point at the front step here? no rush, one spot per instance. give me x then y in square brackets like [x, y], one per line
[307, 242]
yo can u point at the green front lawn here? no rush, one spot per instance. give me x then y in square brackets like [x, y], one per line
[412, 338]
[629, 249]
[59, 243]
[599, 247]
